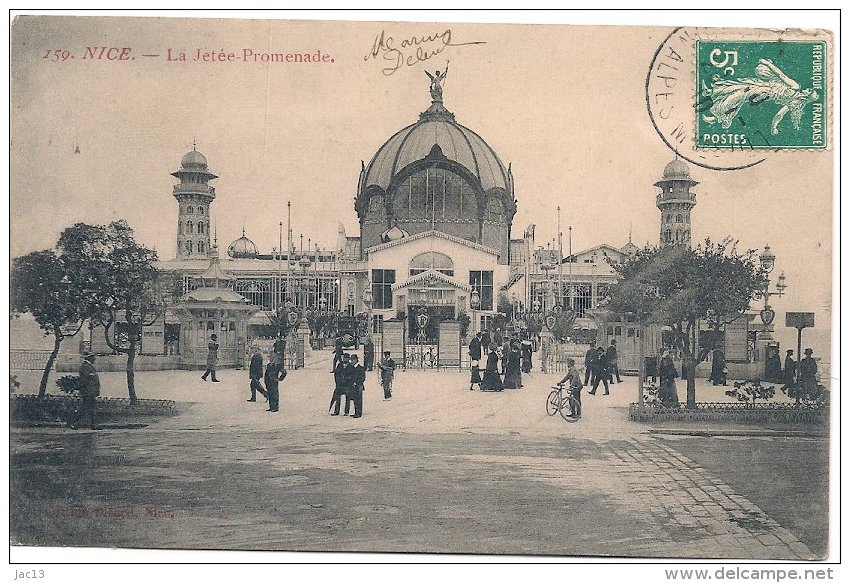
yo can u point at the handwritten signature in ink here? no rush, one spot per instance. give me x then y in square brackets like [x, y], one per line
[410, 51]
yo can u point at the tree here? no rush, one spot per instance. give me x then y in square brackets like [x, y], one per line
[680, 286]
[42, 285]
[119, 278]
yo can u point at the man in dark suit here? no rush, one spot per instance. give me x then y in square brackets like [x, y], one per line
[369, 353]
[602, 371]
[356, 385]
[274, 374]
[255, 373]
[89, 384]
[340, 385]
[590, 358]
[611, 359]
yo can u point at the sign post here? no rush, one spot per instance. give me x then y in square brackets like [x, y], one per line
[799, 320]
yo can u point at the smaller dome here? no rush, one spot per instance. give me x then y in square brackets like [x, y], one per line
[243, 248]
[193, 159]
[677, 170]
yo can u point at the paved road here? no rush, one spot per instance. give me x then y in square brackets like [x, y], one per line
[437, 469]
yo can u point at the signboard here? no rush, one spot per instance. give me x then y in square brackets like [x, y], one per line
[736, 340]
[392, 339]
[800, 319]
[550, 320]
[153, 338]
[767, 316]
[448, 347]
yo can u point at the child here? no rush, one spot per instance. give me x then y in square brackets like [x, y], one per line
[475, 378]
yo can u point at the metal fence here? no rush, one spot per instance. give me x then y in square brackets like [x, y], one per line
[28, 359]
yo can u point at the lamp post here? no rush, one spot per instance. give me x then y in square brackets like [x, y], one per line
[474, 302]
[547, 299]
[767, 260]
[367, 301]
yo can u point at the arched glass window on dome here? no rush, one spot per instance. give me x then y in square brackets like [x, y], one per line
[200, 210]
[678, 218]
[434, 193]
[432, 260]
[668, 235]
[687, 235]
[200, 228]
[190, 209]
[190, 227]
[200, 246]
[188, 247]
[678, 234]
[179, 227]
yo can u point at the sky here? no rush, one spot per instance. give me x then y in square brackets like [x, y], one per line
[95, 140]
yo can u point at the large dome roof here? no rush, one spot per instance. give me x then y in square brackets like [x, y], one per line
[437, 126]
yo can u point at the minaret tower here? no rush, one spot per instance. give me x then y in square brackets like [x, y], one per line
[675, 203]
[194, 196]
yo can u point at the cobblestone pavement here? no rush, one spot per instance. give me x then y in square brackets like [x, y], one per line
[678, 509]
[438, 469]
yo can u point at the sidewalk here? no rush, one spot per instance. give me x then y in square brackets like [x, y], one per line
[424, 401]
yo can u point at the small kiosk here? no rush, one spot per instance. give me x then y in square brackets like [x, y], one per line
[213, 308]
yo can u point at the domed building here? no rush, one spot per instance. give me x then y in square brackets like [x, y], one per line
[439, 175]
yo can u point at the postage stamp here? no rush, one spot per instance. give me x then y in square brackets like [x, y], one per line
[761, 94]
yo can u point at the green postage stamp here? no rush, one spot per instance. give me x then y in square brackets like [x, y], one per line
[761, 94]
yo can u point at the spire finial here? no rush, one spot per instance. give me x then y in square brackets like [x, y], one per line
[630, 233]
[194, 145]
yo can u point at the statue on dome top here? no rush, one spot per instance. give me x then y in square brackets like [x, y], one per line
[436, 83]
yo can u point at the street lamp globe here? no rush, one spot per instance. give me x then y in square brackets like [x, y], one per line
[781, 284]
[767, 259]
[475, 299]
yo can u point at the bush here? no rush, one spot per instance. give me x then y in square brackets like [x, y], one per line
[68, 383]
[650, 395]
[749, 391]
[14, 383]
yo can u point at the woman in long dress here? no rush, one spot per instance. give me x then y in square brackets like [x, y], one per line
[492, 381]
[513, 378]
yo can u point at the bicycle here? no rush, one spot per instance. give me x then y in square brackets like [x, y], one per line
[567, 405]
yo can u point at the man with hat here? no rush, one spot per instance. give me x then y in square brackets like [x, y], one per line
[341, 374]
[387, 366]
[809, 373]
[255, 373]
[356, 386]
[611, 360]
[212, 358]
[89, 384]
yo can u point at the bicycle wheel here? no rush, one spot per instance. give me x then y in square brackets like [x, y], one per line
[571, 409]
[553, 402]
